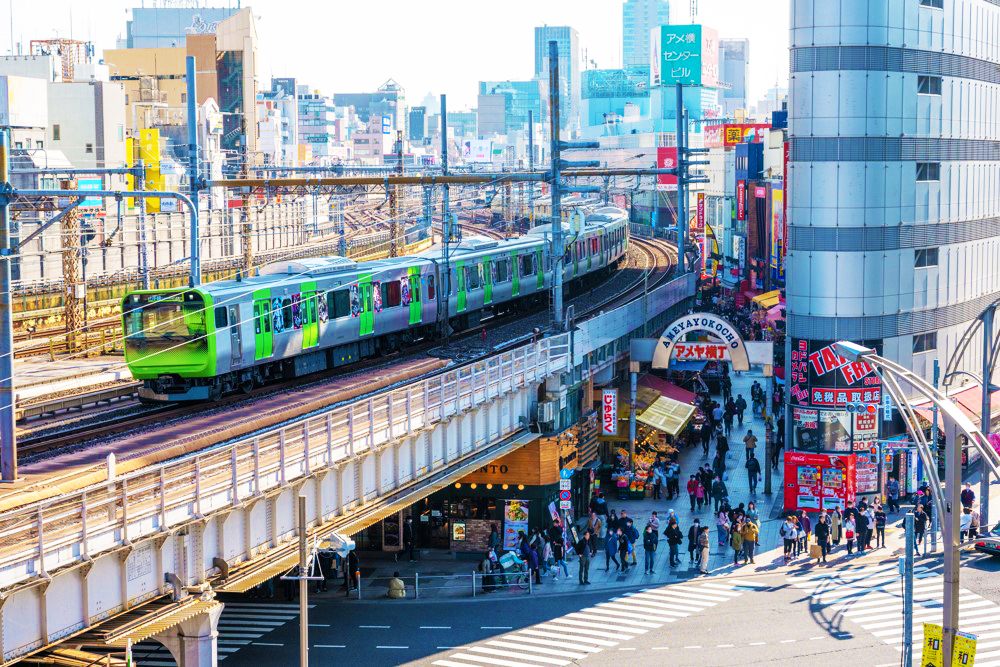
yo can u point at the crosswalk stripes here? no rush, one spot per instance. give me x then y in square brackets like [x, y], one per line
[575, 636]
[239, 624]
[872, 597]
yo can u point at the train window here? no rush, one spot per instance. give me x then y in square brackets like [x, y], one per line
[415, 288]
[390, 294]
[221, 321]
[339, 303]
[430, 288]
[286, 313]
[494, 271]
[567, 257]
[527, 265]
[472, 277]
[502, 271]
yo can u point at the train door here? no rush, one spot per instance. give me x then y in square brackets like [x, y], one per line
[488, 272]
[515, 274]
[263, 335]
[416, 301]
[235, 339]
[310, 321]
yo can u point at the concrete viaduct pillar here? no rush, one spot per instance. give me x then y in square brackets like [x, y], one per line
[195, 642]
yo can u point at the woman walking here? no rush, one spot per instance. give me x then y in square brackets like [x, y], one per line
[736, 541]
[722, 525]
[849, 529]
[836, 524]
[789, 532]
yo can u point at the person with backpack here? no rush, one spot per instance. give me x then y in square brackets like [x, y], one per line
[650, 540]
[611, 549]
[632, 535]
[750, 533]
[753, 473]
[674, 540]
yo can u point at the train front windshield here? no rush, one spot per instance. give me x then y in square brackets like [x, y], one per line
[160, 322]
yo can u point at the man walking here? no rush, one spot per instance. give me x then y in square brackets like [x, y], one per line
[823, 536]
[750, 443]
[650, 540]
[753, 473]
[892, 494]
[585, 549]
[674, 539]
[741, 407]
[968, 495]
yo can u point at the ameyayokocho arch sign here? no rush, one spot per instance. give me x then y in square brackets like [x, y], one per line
[704, 322]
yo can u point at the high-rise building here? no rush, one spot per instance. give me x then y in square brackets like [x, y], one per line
[734, 58]
[569, 69]
[157, 27]
[520, 98]
[417, 124]
[315, 125]
[892, 212]
[638, 18]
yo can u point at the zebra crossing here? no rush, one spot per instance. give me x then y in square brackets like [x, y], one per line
[577, 635]
[239, 624]
[872, 597]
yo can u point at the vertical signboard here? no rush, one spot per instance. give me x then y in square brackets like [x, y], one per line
[777, 233]
[741, 200]
[666, 158]
[679, 57]
[700, 218]
[609, 412]
[515, 519]
[149, 153]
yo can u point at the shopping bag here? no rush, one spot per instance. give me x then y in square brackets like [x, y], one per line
[815, 551]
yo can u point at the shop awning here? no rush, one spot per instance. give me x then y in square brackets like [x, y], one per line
[668, 389]
[767, 299]
[644, 397]
[968, 401]
[667, 415]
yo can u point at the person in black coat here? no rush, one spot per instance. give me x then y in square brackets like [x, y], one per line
[693, 539]
[674, 540]
[408, 537]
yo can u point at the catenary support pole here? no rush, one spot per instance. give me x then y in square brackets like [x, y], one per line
[985, 416]
[303, 586]
[949, 537]
[193, 177]
[935, 516]
[445, 220]
[681, 177]
[555, 190]
[633, 381]
[8, 436]
[908, 592]
[531, 167]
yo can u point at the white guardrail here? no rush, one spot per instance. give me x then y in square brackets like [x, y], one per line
[41, 537]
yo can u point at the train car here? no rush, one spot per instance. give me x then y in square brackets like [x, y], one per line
[302, 316]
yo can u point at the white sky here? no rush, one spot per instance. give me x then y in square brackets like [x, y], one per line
[428, 46]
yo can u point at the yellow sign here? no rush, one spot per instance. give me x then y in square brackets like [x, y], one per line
[963, 655]
[933, 653]
[149, 153]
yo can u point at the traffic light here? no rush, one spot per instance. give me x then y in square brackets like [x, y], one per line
[861, 408]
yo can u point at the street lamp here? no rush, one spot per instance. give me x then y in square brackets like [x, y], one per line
[986, 413]
[946, 499]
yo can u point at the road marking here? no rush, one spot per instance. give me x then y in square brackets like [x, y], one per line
[661, 648]
[757, 643]
[435, 627]
[266, 644]
[694, 646]
[527, 639]
[520, 656]
[329, 646]
[496, 627]
[724, 646]
[787, 641]
[538, 649]
[381, 646]
[377, 627]
[625, 648]
[319, 625]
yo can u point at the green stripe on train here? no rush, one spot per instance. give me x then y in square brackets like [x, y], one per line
[263, 335]
[308, 313]
[461, 299]
[515, 269]
[416, 313]
[366, 316]
[488, 279]
[540, 268]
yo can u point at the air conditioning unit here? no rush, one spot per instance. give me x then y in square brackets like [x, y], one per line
[546, 412]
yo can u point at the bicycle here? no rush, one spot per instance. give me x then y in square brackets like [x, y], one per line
[515, 571]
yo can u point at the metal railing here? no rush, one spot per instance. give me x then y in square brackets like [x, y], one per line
[41, 537]
[473, 584]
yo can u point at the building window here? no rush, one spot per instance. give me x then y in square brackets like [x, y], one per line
[929, 85]
[88, 148]
[184, 98]
[928, 171]
[925, 257]
[936, 4]
[39, 144]
[56, 133]
[924, 342]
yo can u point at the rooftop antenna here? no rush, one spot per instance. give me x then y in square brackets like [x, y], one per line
[694, 10]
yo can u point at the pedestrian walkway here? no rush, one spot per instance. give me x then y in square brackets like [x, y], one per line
[872, 597]
[563, 640]
[240, 624]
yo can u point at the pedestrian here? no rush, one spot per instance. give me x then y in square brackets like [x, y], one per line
[753, 473]
[728, 416]
[751, 534]
[650, 540]
[594, 525]
[797, 547]
[789, 534]
[727, 387]
[585, 549]
[892, 494]
[722, 447]
[870, 532]
[861, 528]
[533, 565]
[352, 571]
[880, 519]
[545, 559]
[613, 521]
[494, 541]
[654, 520]
[805, 525]
[836, 521]
[968, 495]
[408, 538]
[741, 406]
[706, 437]
[674, 539]
[920, 521]
[611, 549]
[719, 465]
[559, 557]
[623, 520]
[703, 546]
[624, 547]
[717, 414]
[736, 541]
[632, 534]
[486, 567]
[599, 505]
[673, 472]
[974, 525]
[692, 536]
[965, 521]
[719, 492]
[822, 532]
[849, 533]
[700, 494]
[750, 444]
[722, 526]
[692, 489]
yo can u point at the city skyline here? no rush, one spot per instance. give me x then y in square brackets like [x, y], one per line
[282, 34]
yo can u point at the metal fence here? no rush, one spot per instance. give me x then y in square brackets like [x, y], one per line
[447, 585]
[41, 537]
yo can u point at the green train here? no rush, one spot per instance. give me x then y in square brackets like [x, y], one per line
[302, 316]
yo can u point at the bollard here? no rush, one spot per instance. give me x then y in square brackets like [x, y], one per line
[416, 586]
[529, 582]
[357, 575]
[473, 583]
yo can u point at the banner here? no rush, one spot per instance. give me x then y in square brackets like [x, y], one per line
[821, 377]
[609, 412]
[741, 200]
[515, 518]
[666, 158]
[778, 233]
[700, 218]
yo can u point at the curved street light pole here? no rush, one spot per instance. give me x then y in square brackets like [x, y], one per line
[947, 498]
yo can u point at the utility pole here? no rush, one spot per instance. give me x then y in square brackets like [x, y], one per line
[72, 297]
[949, 535]
[303, 586]
[935, 518]
[194, 179]
[140, 207]
[531, 167]
[908, 592]
[394, 222]
[987, 409]
[445, 219]
[684, 179]
[8, 434]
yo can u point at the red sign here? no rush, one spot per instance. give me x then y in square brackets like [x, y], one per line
[730, 134]
[666, 158]
[700, 351]
[741, 200]
[712, 136]
[700, 224]
[760, 192]
[819, 375]
[815, 482]
[609, 412]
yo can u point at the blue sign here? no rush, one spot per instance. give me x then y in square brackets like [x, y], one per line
[386, 124]
[565, 473]
[91, 184]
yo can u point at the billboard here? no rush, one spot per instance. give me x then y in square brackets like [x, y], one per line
[820, 377]
[609, 412]
[777, 233]
[741, 200]
[820, 430]
[477, 150]
[699, 227]
[666, 158]
[149, 153]
[91, 184]
[684, 54]
[815, 482]
[731, 134]
[19, 102]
